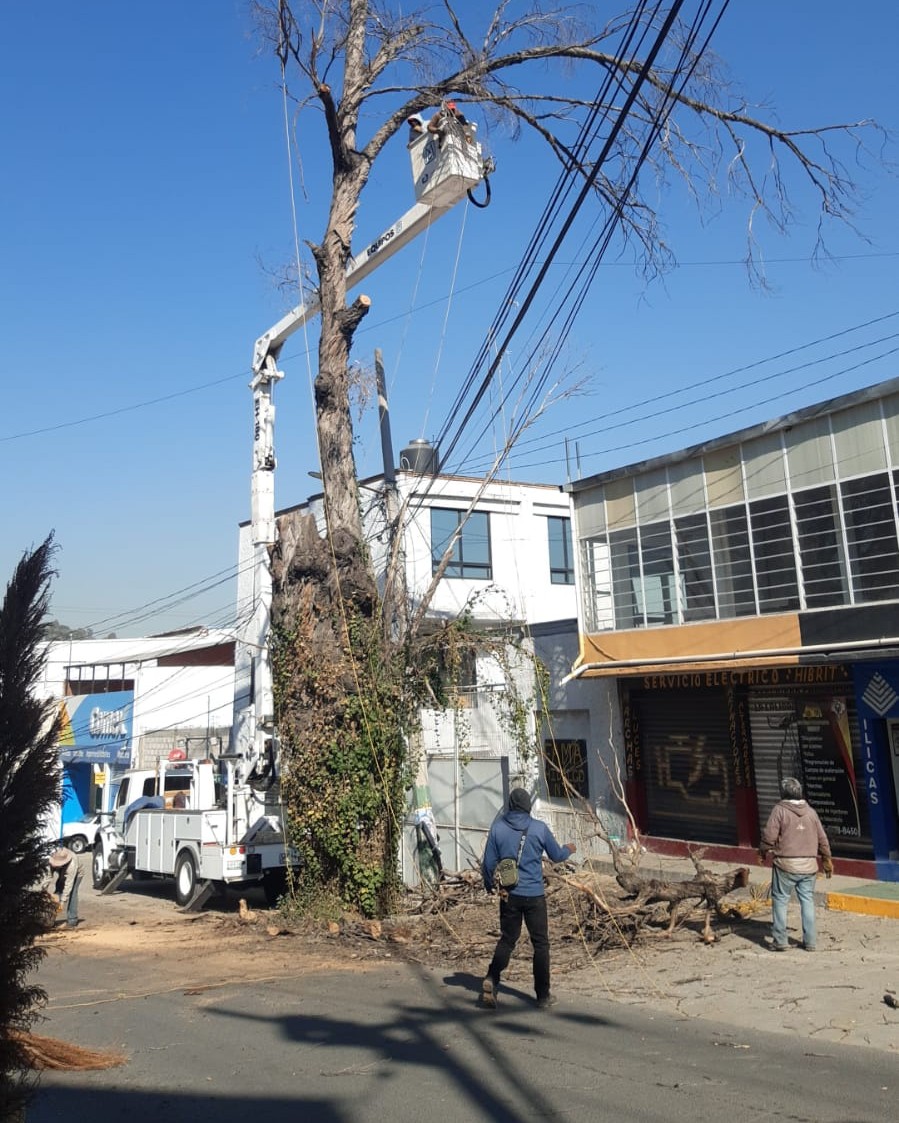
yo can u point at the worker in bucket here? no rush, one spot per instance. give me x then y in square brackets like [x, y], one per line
[417, 127]
[62, 883]
[449, 119]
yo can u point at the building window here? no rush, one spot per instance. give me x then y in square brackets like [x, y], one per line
[470, 554]
[820, 547]
[871, 534]
[657, 598]
[626, 583]
[561, 559]
[694, 561]
[775, 559]
[733, 564]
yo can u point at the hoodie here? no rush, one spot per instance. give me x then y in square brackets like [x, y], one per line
[795, 835]
[503, 841]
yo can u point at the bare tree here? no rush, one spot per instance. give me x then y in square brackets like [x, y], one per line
[367, 66]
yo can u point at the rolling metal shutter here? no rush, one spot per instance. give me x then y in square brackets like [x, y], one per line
[688, 765]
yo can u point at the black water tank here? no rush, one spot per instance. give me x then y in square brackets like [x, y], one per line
[420, 456]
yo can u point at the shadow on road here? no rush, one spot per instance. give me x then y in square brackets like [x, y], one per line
[421, 1029]
[87, 1105]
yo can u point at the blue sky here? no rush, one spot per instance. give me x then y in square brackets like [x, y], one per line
[147, 203]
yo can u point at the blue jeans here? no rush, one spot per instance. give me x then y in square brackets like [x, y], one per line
[72, 905]
[782, 885]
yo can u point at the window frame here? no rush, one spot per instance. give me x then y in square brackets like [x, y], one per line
[560, 574]
[458, 568]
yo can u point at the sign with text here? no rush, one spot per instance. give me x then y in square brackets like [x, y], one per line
[96, 728]
[565, 764]
[828, 767]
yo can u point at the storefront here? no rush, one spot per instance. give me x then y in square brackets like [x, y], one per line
[706, 751]
[94, 740]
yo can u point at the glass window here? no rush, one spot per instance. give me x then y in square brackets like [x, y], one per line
[871, 534]
[620, 510]
[694, 560]
[820, 547]
[470, 556]
[596, 594]
[809, 453]
[687, 485]
[656, 593]
[724, 476]
[625, 578]
[561, 559]
[858, 437]
[763, 461]
[733, 565]
[775, 560]
[591, 512]
[891, 418]
[652, 496]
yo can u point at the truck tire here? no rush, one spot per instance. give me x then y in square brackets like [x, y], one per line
[99, 873]
[185, 877]
[274, 886]
[77, 844]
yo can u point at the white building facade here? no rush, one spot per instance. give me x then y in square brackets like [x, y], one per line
[132, 702]
[511, 566]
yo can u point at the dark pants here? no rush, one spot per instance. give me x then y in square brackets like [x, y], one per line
[532, 910]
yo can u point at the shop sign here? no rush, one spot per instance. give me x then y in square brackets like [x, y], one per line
[566, 768]
[96, 728]
[759, 676]
[828, 768]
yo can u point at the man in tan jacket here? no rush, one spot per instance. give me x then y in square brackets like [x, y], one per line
[794, 835]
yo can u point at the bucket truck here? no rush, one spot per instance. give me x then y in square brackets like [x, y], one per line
[210, 824]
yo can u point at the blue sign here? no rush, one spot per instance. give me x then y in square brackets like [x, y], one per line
[96, 728]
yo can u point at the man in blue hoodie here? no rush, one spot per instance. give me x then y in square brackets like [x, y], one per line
[527, 900]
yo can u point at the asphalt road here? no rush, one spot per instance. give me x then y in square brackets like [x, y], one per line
[403, 1043]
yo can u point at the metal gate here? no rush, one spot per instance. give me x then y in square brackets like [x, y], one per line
[466, 796]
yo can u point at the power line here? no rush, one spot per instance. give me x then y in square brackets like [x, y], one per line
[722, 416]
[658, 115]
[545, 441]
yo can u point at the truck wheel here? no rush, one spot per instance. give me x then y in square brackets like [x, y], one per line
[185, 877]
[78, 844]
[99, 873]
[274, 885]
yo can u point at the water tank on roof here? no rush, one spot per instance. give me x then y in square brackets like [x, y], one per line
[420, 456]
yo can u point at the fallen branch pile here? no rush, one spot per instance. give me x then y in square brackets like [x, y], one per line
[590, 911]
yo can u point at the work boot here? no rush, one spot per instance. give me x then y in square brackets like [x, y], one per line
[546, 1001]
[488, 993]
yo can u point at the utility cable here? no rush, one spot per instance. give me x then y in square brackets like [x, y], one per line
[586, 189]
[601, 244]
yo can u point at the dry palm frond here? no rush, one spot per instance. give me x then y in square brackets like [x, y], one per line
[48, 1052]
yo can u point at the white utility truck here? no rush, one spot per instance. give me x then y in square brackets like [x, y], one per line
[203, 822]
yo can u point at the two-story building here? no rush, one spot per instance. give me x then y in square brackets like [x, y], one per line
[742, 598]
[511, 567]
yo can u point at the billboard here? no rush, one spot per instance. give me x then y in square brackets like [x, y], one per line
[96, 728]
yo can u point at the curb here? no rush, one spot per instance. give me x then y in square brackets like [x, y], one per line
[859, 903]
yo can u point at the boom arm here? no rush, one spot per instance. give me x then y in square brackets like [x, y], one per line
[443, 171]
